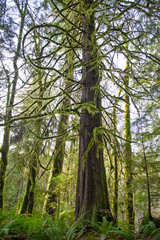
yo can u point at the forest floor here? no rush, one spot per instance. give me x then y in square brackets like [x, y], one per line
[90, 236]
[37, 227]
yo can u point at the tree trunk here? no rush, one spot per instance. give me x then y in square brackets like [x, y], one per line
[24, 205]
[146, 171]
[32, 180]
[115, 173]
[28, 199]
[128, 157]
[52, 197]
[5, 145]
[92, 195]
[116, 156]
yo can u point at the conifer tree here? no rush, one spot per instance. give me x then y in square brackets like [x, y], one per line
[92, 200]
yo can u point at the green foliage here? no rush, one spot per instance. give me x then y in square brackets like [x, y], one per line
[52, 229]
[79, 228]
[108, 229]
[104, 230]
[31, 226]
[20, 225]
[148, 230]
[90, 145]
[97, 132]
[45, 227]
[90, 107]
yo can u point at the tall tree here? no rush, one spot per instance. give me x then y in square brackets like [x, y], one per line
[92, 194]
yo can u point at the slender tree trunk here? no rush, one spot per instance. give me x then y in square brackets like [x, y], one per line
[148, 185]
[52, 197]
[146, 170]
[32, 180]
[4, 163]
[5, 145]
[128, 157]
[24, 206]
[116, 157]
[28, 199]
[115, 173]
[92, 195]
[72, 170]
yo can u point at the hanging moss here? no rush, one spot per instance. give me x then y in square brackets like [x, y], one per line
[52, 196]
[92, 201]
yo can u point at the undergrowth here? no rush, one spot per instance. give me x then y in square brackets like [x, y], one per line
[37, 227]
[32, 227]
[106, 230]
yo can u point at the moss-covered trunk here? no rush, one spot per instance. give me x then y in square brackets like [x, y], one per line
[128, 154]
[52, 197]
[24, 205]
[29, 195]
[116, 158]
[33, 175]
[92, 195]
[4, 163]
[115, 173]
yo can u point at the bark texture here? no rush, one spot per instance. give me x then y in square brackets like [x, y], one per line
[92, 195]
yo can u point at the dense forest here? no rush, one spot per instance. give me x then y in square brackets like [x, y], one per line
[79, 119]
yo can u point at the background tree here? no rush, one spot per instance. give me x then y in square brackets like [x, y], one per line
[50, 203]
[10, 102]
[28, 200]
[128, 154]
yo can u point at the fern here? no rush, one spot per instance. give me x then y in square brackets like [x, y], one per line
[149, 230]
[32, 227]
